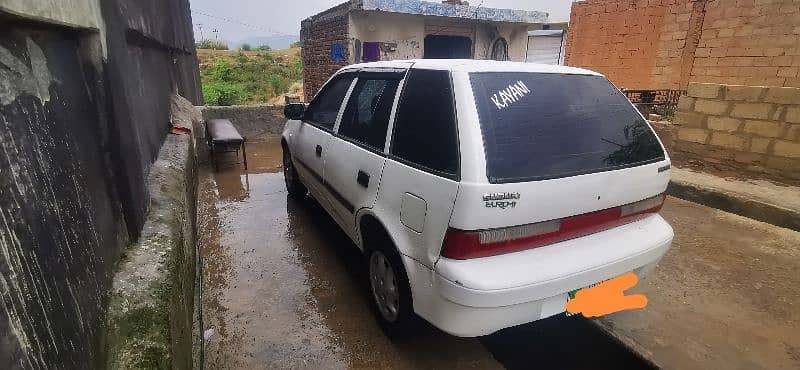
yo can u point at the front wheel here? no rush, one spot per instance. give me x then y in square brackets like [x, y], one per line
[293, 184]
[390, 292]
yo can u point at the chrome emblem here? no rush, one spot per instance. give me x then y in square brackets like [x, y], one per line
[501, 200]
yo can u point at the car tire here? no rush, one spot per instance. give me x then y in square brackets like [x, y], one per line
[294, 186]
[389, 290]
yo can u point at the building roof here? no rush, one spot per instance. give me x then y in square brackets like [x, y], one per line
[472, 65]
[438, 9]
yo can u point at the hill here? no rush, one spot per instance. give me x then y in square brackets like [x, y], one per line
[249, 77]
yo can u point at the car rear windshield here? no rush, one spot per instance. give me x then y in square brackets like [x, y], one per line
[539, 126]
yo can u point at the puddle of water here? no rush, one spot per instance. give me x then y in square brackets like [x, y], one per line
[283, 285]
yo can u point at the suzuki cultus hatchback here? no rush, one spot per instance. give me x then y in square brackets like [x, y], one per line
[481, 192]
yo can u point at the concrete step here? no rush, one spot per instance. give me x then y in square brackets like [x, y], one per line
[757, 199]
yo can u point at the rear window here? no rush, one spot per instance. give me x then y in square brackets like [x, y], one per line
[539, 126]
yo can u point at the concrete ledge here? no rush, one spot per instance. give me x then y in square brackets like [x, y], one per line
[254, 122]
[149, 319]
[759, 200]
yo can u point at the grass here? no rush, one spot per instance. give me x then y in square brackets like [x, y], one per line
[249, 77]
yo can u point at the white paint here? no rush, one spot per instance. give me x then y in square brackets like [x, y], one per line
[510, 95]
[412, 212]
[18, 78]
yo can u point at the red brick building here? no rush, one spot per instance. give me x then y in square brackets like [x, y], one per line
[665, 44]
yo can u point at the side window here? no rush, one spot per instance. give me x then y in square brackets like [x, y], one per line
[425, 128]
[366, 116]
[324, 109]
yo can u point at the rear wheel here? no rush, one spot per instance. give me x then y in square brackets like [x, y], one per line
[390, 291]
[293, 184]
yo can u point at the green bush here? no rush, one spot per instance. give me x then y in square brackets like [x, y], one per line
[245, 47]
[241, 79]
[279, 84]
[222, 71]
[222, 93]
[264, 48]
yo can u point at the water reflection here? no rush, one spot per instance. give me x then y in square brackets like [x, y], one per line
[285, 286]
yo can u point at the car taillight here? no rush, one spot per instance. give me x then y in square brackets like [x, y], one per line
[461, 244]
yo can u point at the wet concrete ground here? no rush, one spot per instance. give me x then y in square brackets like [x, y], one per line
[726, 296]
[284, 288]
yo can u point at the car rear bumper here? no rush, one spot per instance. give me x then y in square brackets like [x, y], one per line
[480, 296]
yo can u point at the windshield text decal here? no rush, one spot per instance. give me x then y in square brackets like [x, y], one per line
[510, 95]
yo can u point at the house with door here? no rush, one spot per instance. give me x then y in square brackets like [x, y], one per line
[373, 30]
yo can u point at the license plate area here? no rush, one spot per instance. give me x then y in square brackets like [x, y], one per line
[571, 294]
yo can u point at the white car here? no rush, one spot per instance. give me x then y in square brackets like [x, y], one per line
[482, 193]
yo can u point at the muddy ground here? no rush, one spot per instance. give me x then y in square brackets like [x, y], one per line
[284, 288]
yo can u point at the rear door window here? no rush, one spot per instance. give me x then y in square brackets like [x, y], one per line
[366, 116]
[539, 126]
[425, 133]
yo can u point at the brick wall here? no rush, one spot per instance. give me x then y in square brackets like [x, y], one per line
[638, 44]
[740, 127]
[317, 34]
[749, 42]
[659, 44]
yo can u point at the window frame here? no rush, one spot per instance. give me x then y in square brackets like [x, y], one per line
[373, 74]
[345, 74]
[450, 176]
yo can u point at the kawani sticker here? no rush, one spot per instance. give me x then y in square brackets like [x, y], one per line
[510, 95]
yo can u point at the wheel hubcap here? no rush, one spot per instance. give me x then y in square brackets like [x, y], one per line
[384, 286]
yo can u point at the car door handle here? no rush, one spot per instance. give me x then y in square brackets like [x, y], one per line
[363, 179]
[319, 151]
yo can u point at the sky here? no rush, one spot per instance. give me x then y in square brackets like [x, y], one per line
[236, 20]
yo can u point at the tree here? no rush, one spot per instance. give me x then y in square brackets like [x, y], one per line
[297, 44]
[245, 47]
[264, 48]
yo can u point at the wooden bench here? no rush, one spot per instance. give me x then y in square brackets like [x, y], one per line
[223, 137]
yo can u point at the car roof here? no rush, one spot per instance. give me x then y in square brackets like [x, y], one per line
[471, 65]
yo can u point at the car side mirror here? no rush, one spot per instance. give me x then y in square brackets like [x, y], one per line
[294, 111]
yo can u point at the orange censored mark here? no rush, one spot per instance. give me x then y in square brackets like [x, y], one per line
[607, 297]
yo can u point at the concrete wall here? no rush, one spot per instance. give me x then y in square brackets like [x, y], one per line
[665, 44]
[749, 42]
[750, 128]
[254, 122]
[151, 308]
[408, 33]
[73, 13]
[61, 228]
[84, 108]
